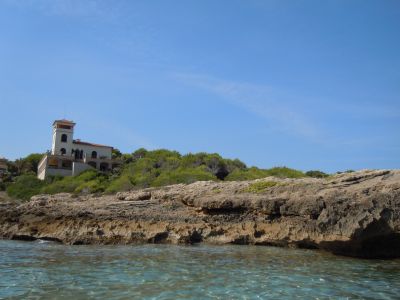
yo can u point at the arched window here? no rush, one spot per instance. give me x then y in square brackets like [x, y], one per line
[64, 138]
[76, 153]
[63, 151]
[94, 154]
[81, 155]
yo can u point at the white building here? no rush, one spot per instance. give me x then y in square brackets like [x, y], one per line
[69, 157]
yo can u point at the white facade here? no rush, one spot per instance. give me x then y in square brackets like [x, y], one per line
[69, 157]
[92, 151]
[63, 136]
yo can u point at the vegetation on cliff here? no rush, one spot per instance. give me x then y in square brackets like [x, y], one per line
[141, 169]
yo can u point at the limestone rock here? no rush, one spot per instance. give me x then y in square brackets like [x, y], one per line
[355, 214]
[134, 196]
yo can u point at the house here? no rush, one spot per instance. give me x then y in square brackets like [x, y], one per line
[69, 157]
[3, 165]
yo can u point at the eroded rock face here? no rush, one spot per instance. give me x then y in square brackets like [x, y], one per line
[355, 214]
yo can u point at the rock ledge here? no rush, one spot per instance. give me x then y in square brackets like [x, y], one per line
[354, 214]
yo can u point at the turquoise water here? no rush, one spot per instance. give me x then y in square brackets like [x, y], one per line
[42, 270]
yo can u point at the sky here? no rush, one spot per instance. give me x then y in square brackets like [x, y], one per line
[305, 84]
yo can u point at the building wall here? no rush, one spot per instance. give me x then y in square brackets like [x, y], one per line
[69, 163]
[57, 144]
[101, 151]
[54, 172]
[78, 168]
[42, 174]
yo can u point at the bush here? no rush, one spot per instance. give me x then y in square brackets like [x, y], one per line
[122, 183]
[247, 174]
[183, 176]
[285, 172]
[92, 186]
[89, 181]
[26, 165]
[144, 168]
[116, 153]
[316, 174]
[25, 186]
[256, 173]
[66, 185]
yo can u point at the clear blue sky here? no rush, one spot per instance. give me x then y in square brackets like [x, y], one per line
[307, 84]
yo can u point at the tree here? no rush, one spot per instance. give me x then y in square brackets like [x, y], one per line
[140, 153]
[26, 164]
[116, 153]
[32, 162]
[316, 174]
[216, 165]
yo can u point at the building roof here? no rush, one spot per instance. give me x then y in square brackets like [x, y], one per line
[64, 121]
[79, 142]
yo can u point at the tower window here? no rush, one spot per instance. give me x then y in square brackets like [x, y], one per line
[94, 154]
[64, 138]
[63, 151]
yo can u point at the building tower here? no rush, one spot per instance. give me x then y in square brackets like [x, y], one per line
[63, 134]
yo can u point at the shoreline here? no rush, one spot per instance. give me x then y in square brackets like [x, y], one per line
[354, 214]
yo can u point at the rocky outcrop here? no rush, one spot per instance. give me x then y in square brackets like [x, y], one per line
[355, 214]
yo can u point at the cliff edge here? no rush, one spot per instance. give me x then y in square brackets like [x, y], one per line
[355, 214]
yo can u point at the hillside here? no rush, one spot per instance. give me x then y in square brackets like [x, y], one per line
[141, 169]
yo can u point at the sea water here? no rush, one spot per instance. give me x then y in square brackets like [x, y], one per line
[43, 270]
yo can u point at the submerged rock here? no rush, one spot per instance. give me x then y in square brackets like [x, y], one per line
[355, 214]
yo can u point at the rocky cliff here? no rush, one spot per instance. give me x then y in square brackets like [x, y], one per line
[355, 214]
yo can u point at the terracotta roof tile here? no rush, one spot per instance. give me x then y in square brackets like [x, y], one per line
[64, 121]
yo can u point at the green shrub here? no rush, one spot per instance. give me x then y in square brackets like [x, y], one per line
[247, 174]
[116, 153]
[89, 181]
[122, 183]
[144, 168]
[66, 185]
[256, 173]
[285, 172]
[260, 186]
[316, 174]
[183, 176]
[25, 186]
[92, 186]
[25, 165]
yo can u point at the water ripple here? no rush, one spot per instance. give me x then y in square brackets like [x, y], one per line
[48, 271]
